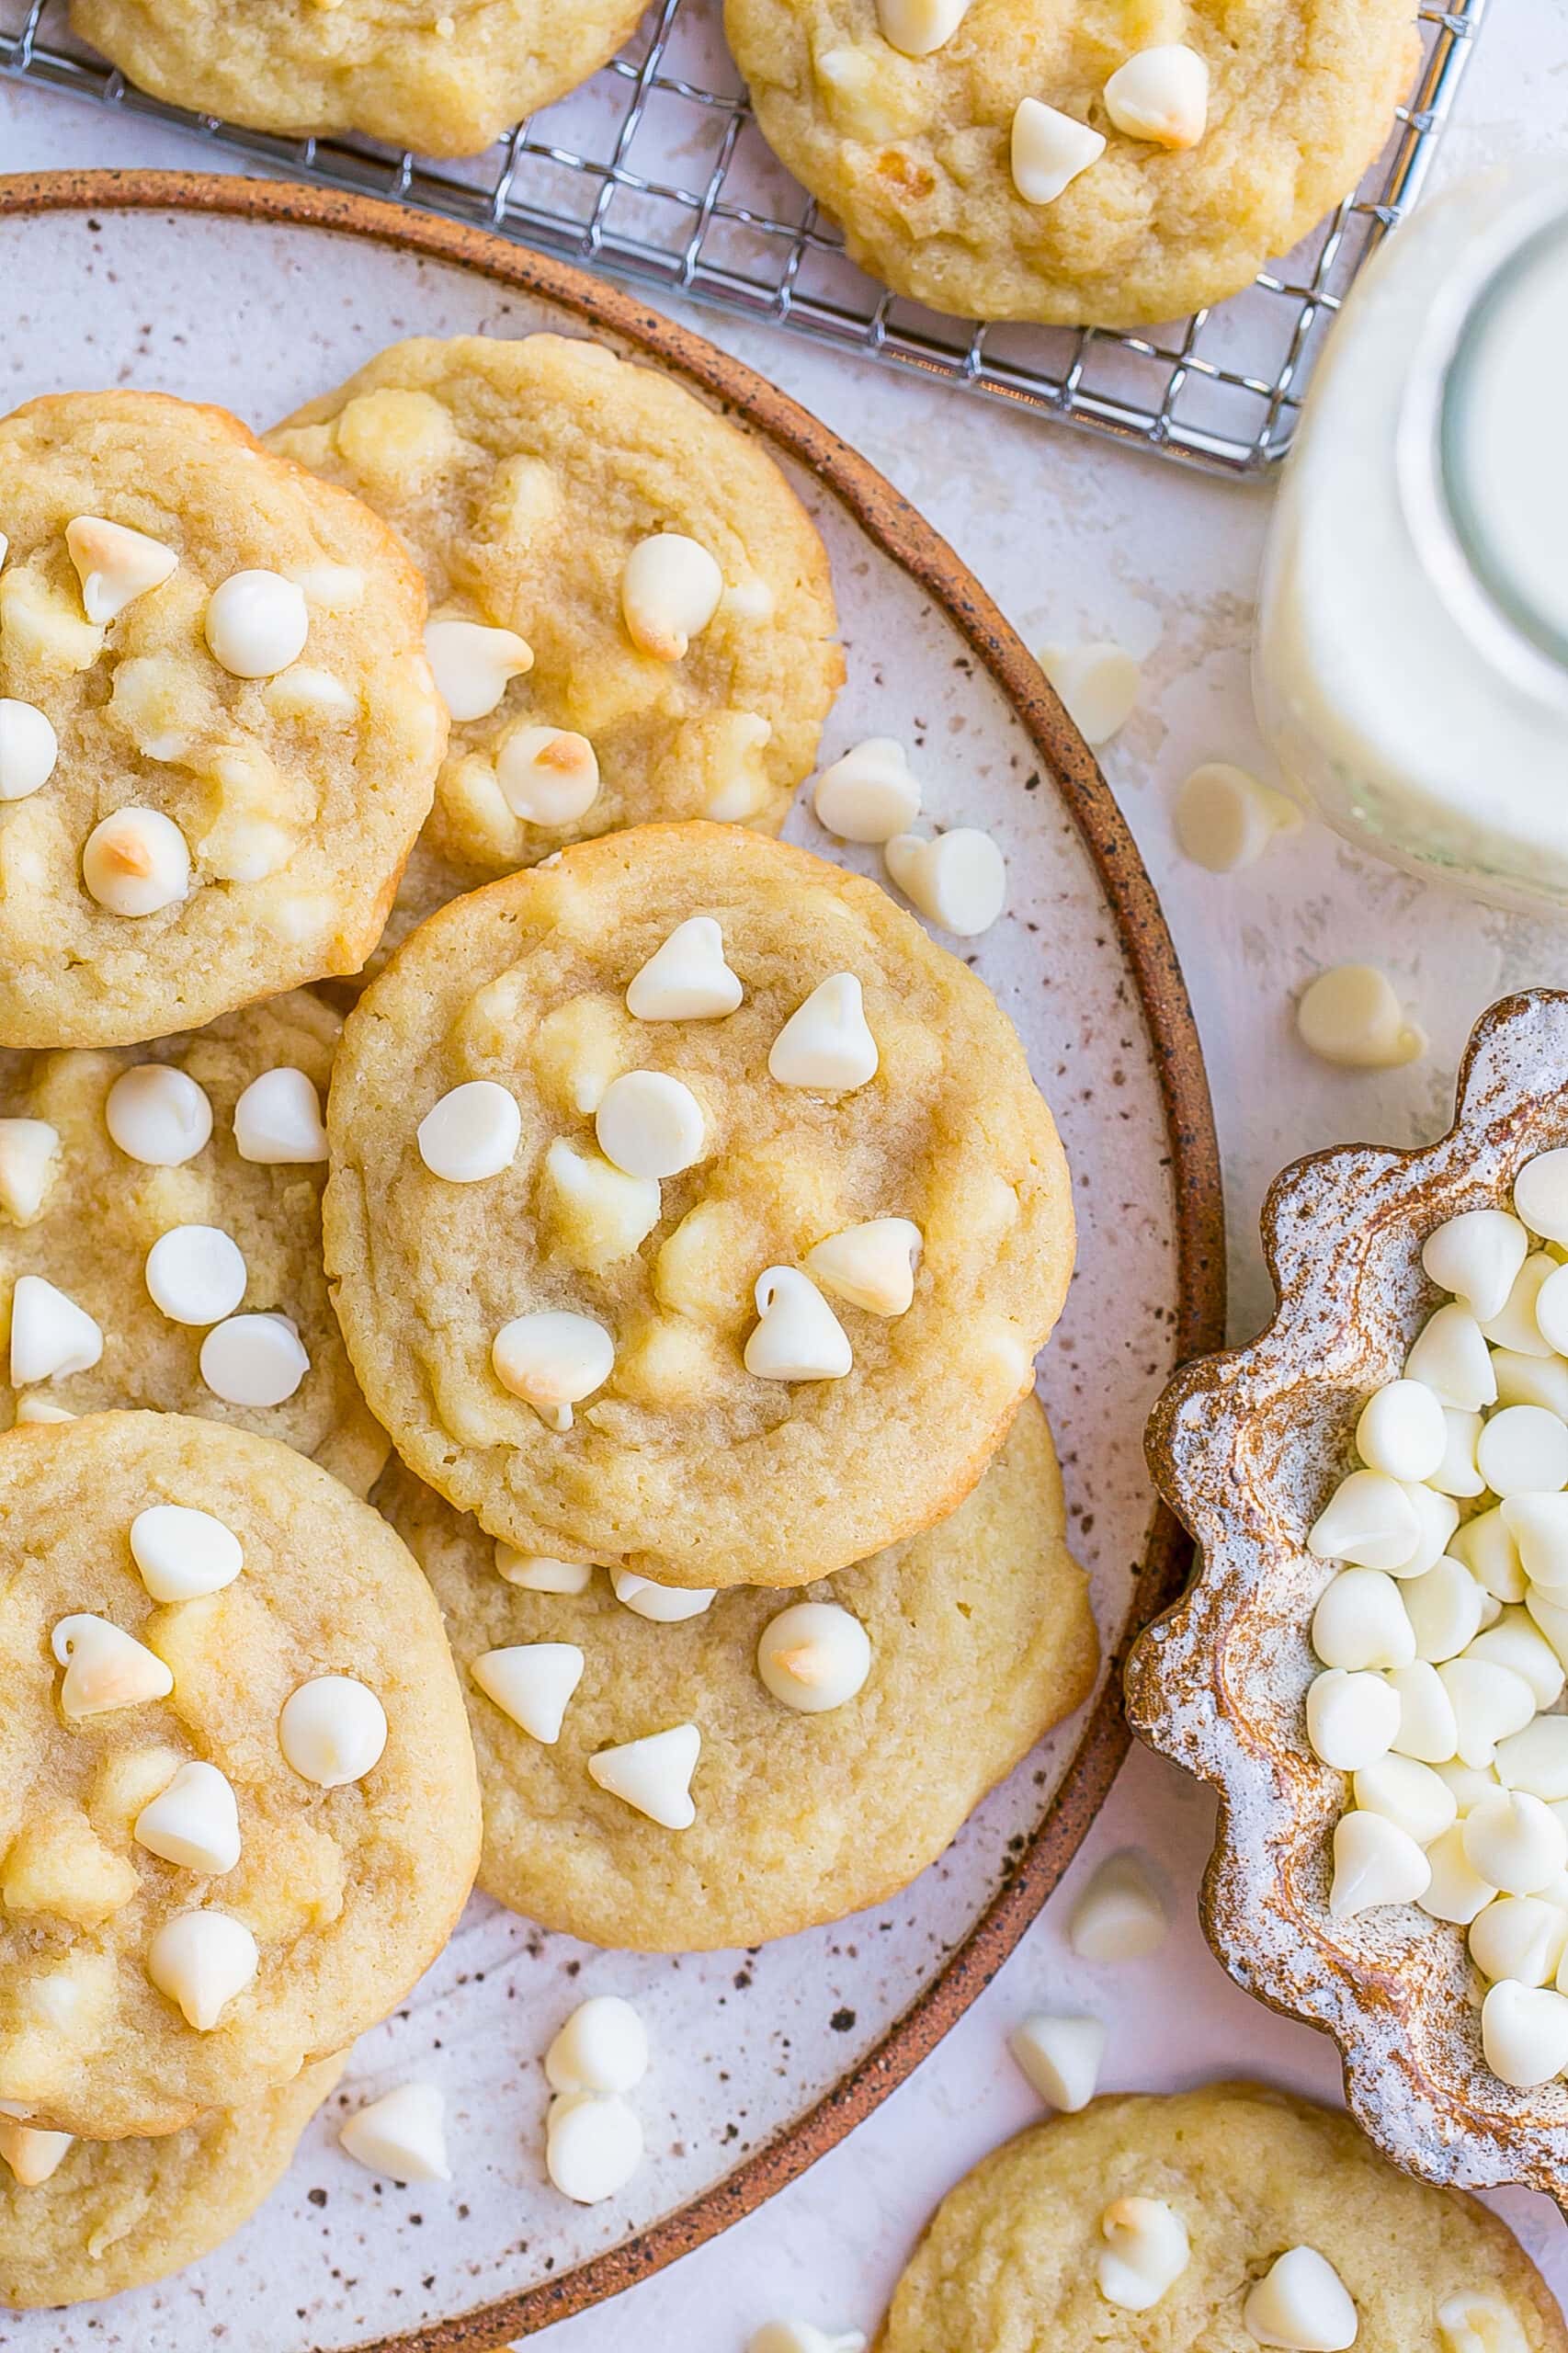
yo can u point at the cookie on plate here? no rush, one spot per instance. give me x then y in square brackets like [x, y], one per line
[1166, 186]
[170, 1195]
[631, 615]
[914, 1682]
[689, 1210]
[219, 733]
[445, 81]
[83, 2218]
[239, 1811]
[1015, 2257]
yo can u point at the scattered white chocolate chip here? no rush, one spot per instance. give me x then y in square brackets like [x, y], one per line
[196, 1274]
[1119, 1916]
[868, 793]
[181, 1552]
[596, 1213]
[1061, 2057]
[532, 1683]
[195, 1822]
[1488, 1703]
[33, 2156]
[1513, 1642]
[278, 1120]
[1361, 1622]
[1048, 150]
[157, 1116]
[537, 1573]
[663, 1605]
[826, 1044]
[669, 592]
[1370, 1521]
[1478, 1256]
[401, 2135]
[1454, 1892]
[1302, 2303]
[1514, 1842]
[916, 27]
[1374, 1862]
[1160, 95]
[1472, 2322]
[654, 1774]
[871, 1265]
[1520, 1937]
[473, 1132]
[798, 1337]
[813, 1657]
[38, 1409]
[1436, 1519]
[1536, 1758]
[115, 564]
[1409, 1794]
[1352, 1719]
[1452, 1357]
[593, 2146]
[1515, 1326]
[105, 1668]
[1540, 1195]
[548, 776]
[650, 1124]
[603, 2047]
[50, 1335]
[958, 880]
[687, 979]
[136, 863]
[332, 1731]
[1225, 819]
[257, 623]
[200, 1961]
[1426, 1726]
[1524, 2033]
[28, 749]
[1350, 1015]
[1523, 1450]
[804, 2336]
[253, 1360]
[1445, 1609]
[1098, 684]
[29, 1150]
[552, 1359]
[473, 665]
[1146, 2251]
[1400, 1431]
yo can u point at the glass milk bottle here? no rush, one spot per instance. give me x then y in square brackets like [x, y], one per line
[1410, 669]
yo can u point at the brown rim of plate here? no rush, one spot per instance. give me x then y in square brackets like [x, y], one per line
[900, 532]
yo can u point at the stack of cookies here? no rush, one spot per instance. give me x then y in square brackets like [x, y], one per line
[677, 1220]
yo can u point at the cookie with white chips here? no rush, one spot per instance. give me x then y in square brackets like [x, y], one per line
[805, 1754]
[160, 1234]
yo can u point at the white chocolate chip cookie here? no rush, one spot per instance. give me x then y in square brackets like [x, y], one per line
[187, 1916]
[612, 1349]
[171, 1195]
[227, 655]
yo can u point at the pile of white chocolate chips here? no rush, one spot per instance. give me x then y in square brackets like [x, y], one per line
[1443, 1635]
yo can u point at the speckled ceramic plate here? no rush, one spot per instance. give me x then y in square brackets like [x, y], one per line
[258, 295]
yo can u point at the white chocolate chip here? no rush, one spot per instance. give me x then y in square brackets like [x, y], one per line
[548, 776]
[1523, 1451]
[958, 880]
[1514, 1842]
[603, 2047]
[401, 2135]
[1374, 1862]
[1458, 1473]
[868, 794]
[1370, 1521]
[29, 1150]
[304, 693]
[813, 1657]
[257, 623]
[532, 1683]
[158, 1116]
[195, 1822]
[1436, 1519]
[28, 749]
[1098, 684]
[1350, 1015]
[200, 1961]
[1513, 1327]
[105, 1668]
[826, 1044]
[1488, 1702]
[1486, 1545]
[136, 863]
[552, 1361]
[182, 1553]
[650, 1124]
[196, 1274]
[598, 1212]
[115, 564]
[473, 665]
[1352, 1719]
[1360, 1622]
[917, 29]
[33, 2156]
[663, 1605]
[1520, 1937]
[1536, 1759]
[669, 592]
[1514, 1641]
[1452, 1358]
[1048, 150]
[1225, 819]
[1146, 2252]
[332, 1731]
[253, 1360]
[50, 1335]
[537, 1573]
[1160, 95]
[1400, 1431]
[798, 1337]
[38, 1409]
[1524, 2033]
[1119, 1916]
[1301, 2302]
[871, 1265]
[1540, 1195]
[593, 2146]
[1532, 1381]
[1060, 2058]
[654, 1774]
[687, 979]
[1409, 1794]
[1444, 1609]
[1474, 2323]
[473, 1132]
[753, 598]
[1427, 1727]
[1477, 1255]
[278, 1120]
[1454, 1893]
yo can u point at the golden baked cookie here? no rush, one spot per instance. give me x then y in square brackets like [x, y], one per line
[117, 2214]
[219, 733]
[171, 1193]
[643, 1292]
[238, 1807]
[914, 154]
[558, 498]
[444, 80]
[980, 1638]
[1011, 2259]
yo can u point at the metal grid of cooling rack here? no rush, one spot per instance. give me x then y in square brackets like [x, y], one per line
[654, 171]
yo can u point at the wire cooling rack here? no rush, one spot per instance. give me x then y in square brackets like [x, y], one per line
[654, 171]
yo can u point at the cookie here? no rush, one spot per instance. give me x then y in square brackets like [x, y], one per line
[1012, 2258]
[918, 151]
[239, 1811]
[445, 82]
[171, 1195]
[219, 734]
[557, 498]
[688, 1234]
[117, 2214]
[980, 1638]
